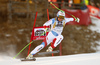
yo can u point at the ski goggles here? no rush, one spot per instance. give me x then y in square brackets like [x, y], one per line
[62, 17]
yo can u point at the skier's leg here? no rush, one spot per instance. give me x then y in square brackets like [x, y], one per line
[39, 47]
[45, 42]
[57, 41]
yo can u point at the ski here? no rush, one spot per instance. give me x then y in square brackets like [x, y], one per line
[42, 53]
[24, 59]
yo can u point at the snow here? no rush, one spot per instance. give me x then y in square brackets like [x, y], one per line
[20, 31]
[78, 59]
[96, 27]
[7, 35]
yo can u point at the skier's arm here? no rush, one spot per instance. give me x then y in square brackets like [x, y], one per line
[48, 23]
[68, 20]
[72, 19]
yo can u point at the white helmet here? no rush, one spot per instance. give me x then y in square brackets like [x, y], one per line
[61, 13]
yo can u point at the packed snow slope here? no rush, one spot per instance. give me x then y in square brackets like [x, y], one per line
[79, 59]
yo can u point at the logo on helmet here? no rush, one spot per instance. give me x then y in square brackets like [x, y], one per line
[62, 13]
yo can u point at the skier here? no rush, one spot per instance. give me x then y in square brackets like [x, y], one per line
[57, 24]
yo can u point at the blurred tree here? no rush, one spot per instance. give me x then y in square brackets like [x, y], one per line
[95, 2]
[59, 5]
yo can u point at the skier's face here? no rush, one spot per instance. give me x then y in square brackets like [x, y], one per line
[60, 19]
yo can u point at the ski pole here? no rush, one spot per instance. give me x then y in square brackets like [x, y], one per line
[62, 10]
[29, 44]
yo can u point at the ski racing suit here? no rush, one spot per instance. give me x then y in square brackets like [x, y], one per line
[54, 35]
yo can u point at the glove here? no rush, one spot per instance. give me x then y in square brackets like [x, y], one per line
[47, 29]
[77, 20]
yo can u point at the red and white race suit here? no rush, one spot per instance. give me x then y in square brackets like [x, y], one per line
[54, 35]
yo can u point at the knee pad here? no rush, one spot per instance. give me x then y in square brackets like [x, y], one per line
[40, 47]
[44, 43]
[61, 37]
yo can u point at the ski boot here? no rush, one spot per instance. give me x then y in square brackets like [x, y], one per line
[49, 49]
[30, 56]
